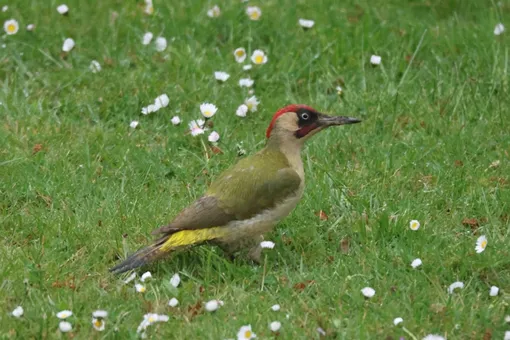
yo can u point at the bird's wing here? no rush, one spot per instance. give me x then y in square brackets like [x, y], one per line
[253, 185]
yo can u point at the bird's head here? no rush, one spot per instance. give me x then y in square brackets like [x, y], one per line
[297, 123]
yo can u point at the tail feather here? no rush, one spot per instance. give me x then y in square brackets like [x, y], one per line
[165, 245]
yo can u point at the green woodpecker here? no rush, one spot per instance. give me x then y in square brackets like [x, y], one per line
[247, 200]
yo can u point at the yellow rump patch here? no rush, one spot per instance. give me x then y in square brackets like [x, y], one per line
[190, 237]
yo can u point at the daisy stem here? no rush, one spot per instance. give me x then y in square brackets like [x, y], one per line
[409, 333]
[263, 273]
[205, 150]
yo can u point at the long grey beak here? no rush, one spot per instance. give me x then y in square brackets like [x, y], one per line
[336, 120]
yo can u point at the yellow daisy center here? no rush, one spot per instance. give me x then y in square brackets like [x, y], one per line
[240, 53]
[207, 113]
[150, 9]
[483, 244]
[247, 334]
[11, 28]
[97, 323]
[259, 59]
[414, 225]
[254, 15]
[151, 319]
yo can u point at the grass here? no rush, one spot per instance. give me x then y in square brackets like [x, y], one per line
[435, 118]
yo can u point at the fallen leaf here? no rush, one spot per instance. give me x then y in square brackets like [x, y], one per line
[195, 309]
[216, 150]
[438, 308]
[471, 223]
[322, 215]
[37, 148]
[495, 164]
[488, 334]
[344, 245]
[302, 285]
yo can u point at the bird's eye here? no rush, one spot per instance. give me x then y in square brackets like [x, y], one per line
[305, 116]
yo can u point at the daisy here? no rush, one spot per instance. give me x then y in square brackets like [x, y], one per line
[17, 312]
[246, 82]
[133, 125]
[95, 66]
[63, 9]
[133, 275]
[221, 76]
[507, 319]
[214, 12]
[176, 279]
[416, 263]
[162, 100]
[481, 244]
[149, 319]
[259, 57]
[252, 103]
[149, 7]
[433, 337]
[5, 8]
[306, 23]
[242, 110]
[339, 90]
[173, 302]
[245, 333]
[11, 27]
[321, 331]
[275, 326]
[64, 314]
[396, 321]
[208, 110]
[98, 324]
[213, 305]
[375, 60]
[176, 120]
[253, 12]
[65, 326]
[267, 244]
[507, 335]
[30, 27]
[240, 54]
[247, 67]
[213, 137]
[140, 288]
[368, 292]
[196, 128]
[275, 308]
[100, 314]
[455, 285]
[145, 276]
[494, 291]
[499, 29]
[147, 38]
[68, 45]
[414, 225]
[161, 44]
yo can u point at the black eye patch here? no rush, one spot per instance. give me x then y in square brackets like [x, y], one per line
[306, 117]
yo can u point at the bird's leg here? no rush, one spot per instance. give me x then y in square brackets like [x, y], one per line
[256, 250]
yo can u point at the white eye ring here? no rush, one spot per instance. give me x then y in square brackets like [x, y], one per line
[305, 116]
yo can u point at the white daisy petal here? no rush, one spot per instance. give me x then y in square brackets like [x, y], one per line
[147, 38]
[162, 100]
[100, 314]
[246, 82]
[161, 44]
[375, 60]
[214, 12]
[267, 244]
[455, 285]
[64, 314]
[68, 45]
[275, 326]
[433, 337]
[65, 326]
[133, 275]
[140, 288]
[416, 263]
[275, 307]
[63, 9]
[176, 120]
[247, 67]
[212, 305]
[17, 312]
[368, 292]
[30, 27]
[213, 137]
[242, 110]
[145, 276]
[499, 29]
[306, 23]
[221, 76]
[481, 244]
[95, 67]
[98, 324]
[252, 103]
[175, 280]
[173, 302]
[397, 321]
[494, 291]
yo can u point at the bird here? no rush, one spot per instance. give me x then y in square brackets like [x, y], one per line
[247, 200]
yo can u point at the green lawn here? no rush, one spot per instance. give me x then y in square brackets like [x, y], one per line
[80, 189]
